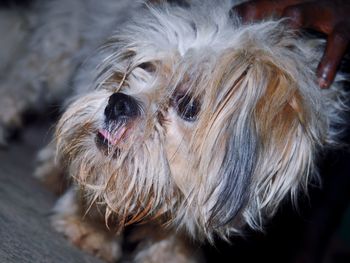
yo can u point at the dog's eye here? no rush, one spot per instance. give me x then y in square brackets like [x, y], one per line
[148, 66]
[187, 108]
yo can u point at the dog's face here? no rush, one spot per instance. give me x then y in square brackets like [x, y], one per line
[204, 125]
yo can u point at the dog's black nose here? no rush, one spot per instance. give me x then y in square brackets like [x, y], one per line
[121, 106]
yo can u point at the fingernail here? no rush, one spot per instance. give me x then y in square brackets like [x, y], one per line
[323, 83]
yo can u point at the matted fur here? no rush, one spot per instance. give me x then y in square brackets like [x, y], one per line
[261, 124]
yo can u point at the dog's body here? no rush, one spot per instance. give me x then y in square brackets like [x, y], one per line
[184, 118]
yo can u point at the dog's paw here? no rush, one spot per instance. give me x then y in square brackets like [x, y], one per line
[90, 237]
[168, 250]
[49, 172]
[156, 244]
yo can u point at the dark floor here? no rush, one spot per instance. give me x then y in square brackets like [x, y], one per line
[25, 233]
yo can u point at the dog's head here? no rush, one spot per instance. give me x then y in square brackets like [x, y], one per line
[196, 120]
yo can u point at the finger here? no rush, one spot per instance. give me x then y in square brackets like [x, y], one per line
[317, 16]
[249, 12]
[259, 9]
[337, 44]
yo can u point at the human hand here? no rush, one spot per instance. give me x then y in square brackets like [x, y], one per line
[331, 17]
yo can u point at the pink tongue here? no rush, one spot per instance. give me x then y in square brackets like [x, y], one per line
[113, 139]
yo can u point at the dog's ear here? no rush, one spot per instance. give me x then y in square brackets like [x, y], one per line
[287, 133]
[287, 129]
[270, 148]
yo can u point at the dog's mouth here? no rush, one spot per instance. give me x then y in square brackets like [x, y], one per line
[113, 136]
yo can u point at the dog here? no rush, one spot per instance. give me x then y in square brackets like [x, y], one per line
[185, 121]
